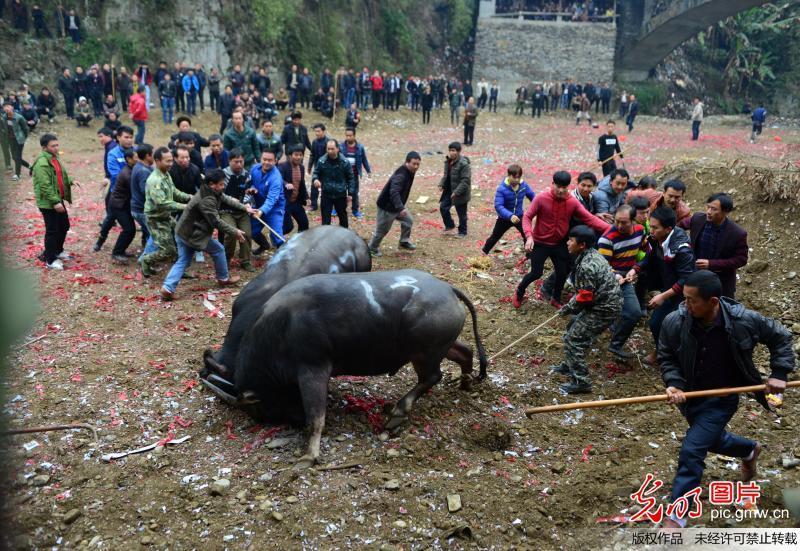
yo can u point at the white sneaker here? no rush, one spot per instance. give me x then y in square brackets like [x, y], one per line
[198, 257]
[64, 255]
[56, 265]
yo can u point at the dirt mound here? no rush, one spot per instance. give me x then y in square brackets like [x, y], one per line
[489, 434]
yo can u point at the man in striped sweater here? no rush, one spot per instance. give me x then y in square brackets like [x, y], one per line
[621, 246]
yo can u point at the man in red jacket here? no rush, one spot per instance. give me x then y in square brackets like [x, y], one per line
[553, 210]
[138, 110]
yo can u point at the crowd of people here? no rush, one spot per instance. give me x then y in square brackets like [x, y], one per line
[65, 23]
[549, 10]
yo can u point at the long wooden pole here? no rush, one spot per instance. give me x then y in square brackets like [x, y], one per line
[652, 398]
[525, 336]
[282, 238]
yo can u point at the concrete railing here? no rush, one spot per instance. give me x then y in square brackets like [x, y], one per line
[554, 16]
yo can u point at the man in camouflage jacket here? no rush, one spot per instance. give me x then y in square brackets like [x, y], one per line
[162, 200]
[595, 305]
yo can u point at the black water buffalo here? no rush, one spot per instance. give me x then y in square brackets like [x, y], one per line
[321, 250]
[323, 326]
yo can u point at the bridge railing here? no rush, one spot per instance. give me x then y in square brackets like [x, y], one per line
[555, 16]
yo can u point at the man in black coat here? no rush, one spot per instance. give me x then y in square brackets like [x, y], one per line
[185, 175]
[392, 205]
[719, 244]
[294, 183]
[66, 85]
[708, 343]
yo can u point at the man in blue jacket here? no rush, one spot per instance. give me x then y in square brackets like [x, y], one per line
[269, 199]
[115, 162]
[610, 194]
[508, 202]
[191, 87]
[141, 171]
[356, 155]
[759, 118]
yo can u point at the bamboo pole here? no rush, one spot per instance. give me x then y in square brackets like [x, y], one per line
[525, 336]
[652, 398]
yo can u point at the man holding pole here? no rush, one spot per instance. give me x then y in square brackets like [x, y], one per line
[707, 344]
[595, 305]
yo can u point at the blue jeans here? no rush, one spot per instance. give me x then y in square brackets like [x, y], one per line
[191, 103]
[629, 316]
[349, 98]
[185, 257]
[707, 419]
[147, 97]
[658, 315]
[141, 218]
[696, 130]
[167, 109]
[139, 139]
[366, 99]
[292, 99]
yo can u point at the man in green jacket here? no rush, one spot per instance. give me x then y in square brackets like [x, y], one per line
[161, 201]
[52, 187]
[243, 137]
[333, 176]
[456, 186]
[15, 131]
[195, 227]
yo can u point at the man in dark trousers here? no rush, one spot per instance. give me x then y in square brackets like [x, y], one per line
[294, 182]
[553, 210]
[333, 176]
[671, 255]
[456, 188]
[119, 206]
[66, 85]
[295, 133]
[708, 343]
[317, 150]
[633, 110]
[185, 175]
[608, 149]
[52, 189]
[719, 244]
[392, 205]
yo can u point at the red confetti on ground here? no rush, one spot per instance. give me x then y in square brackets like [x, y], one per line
[105, 304]
[189, 384]
[372, 407]
[536, 361]
[433, 224]
[613, 368]
[585, 453]
[229, 431]
[88, 280]
[505, 300]
[158, 364]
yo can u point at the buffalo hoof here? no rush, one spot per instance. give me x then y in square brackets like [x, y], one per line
[213, 366]
[395, 423]
[466, 382]
[305, 462]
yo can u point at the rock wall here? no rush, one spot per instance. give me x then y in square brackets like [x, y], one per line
[513, 51]
[197, 31]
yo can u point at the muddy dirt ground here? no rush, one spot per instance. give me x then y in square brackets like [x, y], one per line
[114, 356]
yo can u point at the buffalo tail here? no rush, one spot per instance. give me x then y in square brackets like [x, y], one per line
[481, 351]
